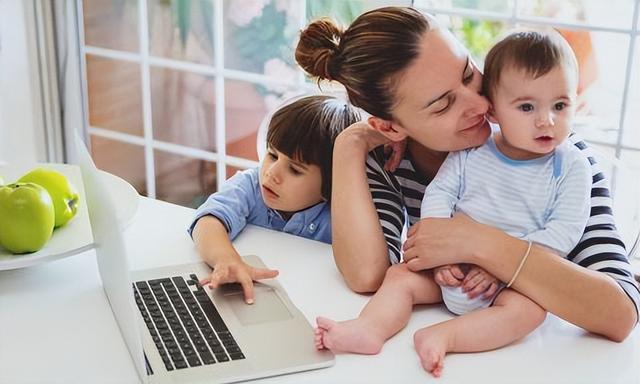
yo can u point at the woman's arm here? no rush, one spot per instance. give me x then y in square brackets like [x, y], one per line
[589, 299]
[359, 245]
[592, 288]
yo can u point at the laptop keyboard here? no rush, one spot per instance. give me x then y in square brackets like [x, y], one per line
[184, 323]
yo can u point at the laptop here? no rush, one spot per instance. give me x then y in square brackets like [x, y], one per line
[179, 331]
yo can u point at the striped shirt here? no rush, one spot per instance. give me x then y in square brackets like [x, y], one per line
[398, 196]
[545, 200]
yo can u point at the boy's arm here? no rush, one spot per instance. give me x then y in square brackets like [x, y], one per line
[220, 219]
[232, 204]
[570, 211]
[214, 246]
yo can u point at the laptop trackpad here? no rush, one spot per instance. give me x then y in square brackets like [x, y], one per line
[267, 307]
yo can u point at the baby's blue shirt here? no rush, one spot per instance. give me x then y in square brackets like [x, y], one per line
[239, 202]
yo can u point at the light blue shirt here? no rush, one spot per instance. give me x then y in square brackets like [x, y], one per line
[545, 200]
[239, 202]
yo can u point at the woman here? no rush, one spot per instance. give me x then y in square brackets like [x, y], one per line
[419, 83]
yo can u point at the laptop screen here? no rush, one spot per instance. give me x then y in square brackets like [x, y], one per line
[113, 264]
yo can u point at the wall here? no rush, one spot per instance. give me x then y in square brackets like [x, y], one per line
[21, 133]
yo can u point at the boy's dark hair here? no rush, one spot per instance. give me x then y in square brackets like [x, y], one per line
[306, 129]
[535, 53]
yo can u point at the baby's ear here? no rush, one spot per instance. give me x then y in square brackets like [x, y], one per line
[389, 129]
[491, 115]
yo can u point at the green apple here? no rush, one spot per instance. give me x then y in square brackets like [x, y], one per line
[63, 194]
[27, 217]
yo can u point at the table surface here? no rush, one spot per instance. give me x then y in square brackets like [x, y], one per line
[56, 325]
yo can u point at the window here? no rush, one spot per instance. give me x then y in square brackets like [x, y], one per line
[176, 89]
[604, 36]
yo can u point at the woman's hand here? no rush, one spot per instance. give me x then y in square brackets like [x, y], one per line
[448, 275]
[444, 241]
[237, 271]
[363, 136]
[395, 150]
[478, 281]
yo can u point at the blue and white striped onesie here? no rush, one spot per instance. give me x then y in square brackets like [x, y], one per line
[545, 200]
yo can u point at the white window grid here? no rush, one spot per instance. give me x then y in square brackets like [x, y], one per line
[220, 73]
[514, 19]
[146, 61]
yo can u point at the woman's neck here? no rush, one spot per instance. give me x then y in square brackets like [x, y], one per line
[426, 161]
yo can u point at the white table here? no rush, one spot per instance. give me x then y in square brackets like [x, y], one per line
[56, 325]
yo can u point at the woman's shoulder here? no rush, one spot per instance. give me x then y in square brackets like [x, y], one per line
[403, 176]
[575, 141]
[579, 147]
[573, 155]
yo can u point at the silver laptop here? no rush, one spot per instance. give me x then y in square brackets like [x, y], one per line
[178, 331]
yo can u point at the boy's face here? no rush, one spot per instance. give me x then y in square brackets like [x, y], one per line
[288, 185]
[535, 115]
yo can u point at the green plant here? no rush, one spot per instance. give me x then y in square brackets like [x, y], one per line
[479, 35]
[343, 11]
[181, 14]
[263, 38]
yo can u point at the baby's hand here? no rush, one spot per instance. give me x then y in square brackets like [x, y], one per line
[448, 275]
[237, 271]
[478, 281]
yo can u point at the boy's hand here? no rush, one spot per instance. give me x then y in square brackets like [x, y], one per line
[448, 275]
[237, 271]
[478, 281]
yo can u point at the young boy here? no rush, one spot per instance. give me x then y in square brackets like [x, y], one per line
[289, 192]
[527, 180]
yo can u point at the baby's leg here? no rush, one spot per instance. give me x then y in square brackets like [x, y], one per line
[511, 317]
[385, 314]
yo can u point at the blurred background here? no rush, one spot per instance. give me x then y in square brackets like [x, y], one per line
[169, 94]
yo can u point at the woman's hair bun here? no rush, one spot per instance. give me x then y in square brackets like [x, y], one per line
[318, 48]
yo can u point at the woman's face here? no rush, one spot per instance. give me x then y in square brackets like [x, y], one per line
[437, 100]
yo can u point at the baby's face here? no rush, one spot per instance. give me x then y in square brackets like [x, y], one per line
[535, 115]
[288, 185]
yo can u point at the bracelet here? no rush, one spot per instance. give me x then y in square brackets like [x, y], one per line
[524, 258]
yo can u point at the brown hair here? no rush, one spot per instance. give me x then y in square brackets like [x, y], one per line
[306, 129]
[366, 57]
[534, 52]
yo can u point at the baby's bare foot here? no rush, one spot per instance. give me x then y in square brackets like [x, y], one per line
[431, 345]
[352, 336]
[318, 335]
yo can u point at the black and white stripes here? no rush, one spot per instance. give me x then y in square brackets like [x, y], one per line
[397, 197]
